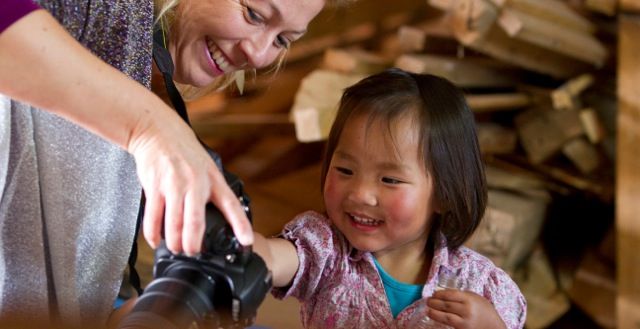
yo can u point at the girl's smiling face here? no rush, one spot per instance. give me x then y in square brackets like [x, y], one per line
[213, 37]
[377, 191]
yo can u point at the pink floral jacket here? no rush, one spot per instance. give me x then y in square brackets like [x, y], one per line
[339, 287]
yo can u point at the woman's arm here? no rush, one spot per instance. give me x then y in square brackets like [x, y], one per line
[281, 257]
[44, 66]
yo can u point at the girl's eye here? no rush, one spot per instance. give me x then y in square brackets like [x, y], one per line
[344, 171]
[282, 42]
[253, 16]
[389, 180]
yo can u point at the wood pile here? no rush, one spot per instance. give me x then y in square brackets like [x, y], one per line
[537, 74]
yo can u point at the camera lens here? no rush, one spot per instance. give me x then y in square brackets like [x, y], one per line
[175, 301]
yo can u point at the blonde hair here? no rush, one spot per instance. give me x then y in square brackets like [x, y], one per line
[164, 13]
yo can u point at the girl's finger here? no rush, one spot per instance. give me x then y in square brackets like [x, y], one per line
[450, 319]
[447, 306]
[452, 295]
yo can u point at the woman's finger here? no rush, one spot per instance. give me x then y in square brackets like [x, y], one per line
[194, 222]
[173, 222]
[231, 208]
[153, 218]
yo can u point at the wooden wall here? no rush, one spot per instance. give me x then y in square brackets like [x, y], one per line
[628, 166]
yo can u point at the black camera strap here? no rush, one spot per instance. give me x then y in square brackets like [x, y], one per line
[163, 61]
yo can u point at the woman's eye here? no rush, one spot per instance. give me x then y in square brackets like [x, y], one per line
[282, 42]
[253, 16]
[344, 171]
[389, 180]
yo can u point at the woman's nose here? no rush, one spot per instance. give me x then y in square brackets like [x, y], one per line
[259, 50]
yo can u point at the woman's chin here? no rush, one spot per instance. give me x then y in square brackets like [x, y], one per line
[197, 79]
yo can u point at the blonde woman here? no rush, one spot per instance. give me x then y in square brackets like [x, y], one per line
[77, 122]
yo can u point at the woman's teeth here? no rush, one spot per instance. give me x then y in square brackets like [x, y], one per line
[366, 221]
[217, 57]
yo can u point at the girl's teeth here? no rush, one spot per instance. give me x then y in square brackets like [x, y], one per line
[366, 221]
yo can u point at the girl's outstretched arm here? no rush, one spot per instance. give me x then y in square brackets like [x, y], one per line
[45, 66]
[281, 258]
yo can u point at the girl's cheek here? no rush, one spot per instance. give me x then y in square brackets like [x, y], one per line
[329, 188]
[403, 205]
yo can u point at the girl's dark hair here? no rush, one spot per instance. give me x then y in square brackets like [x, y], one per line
[448, 141]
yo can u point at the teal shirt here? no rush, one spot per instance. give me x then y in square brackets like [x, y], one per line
[400, 295]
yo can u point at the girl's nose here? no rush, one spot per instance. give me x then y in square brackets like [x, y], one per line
[362, 193]
[259, 50]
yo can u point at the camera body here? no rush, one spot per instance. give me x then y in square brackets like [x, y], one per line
[221, 287]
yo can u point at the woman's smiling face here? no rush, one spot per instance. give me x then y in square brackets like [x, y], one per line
[213, 37]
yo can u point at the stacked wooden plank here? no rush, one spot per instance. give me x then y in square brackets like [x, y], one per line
[541, 35]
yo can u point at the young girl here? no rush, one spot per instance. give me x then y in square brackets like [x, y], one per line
[404, 187]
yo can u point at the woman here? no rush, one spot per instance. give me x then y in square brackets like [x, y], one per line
[78, 121]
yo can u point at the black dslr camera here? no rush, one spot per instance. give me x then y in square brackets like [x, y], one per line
[222, 287]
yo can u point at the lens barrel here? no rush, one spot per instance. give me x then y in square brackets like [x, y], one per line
[175, 301]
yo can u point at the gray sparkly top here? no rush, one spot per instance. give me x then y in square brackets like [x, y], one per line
[69, 199]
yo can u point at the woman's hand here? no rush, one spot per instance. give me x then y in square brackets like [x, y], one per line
[463, 310]
[179, 178]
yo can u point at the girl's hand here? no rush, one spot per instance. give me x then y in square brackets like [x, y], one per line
[463, 310]
[179, 178]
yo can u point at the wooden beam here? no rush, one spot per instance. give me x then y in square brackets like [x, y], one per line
[566, 97]
[353, 60]
[551, 10]
[496, 139]
[629, 6]
[583, 155]
[411, 39]
[607, 7]
[553, 36]
[627, 174]
[593, 127]
[473, 23]
[234, 125]
[543, 132]
[464, 72]
[498, 102]
[316, 103]
[315, 46]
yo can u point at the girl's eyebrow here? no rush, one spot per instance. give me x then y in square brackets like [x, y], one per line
[387, 165]
[344, 155]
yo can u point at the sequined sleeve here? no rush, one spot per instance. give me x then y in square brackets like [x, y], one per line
[13, 10]
[318, 246]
